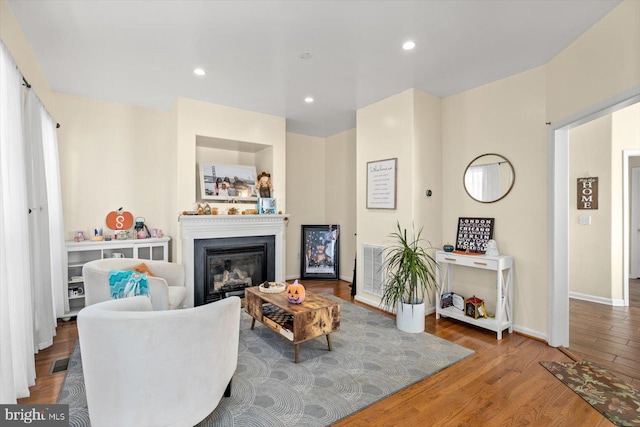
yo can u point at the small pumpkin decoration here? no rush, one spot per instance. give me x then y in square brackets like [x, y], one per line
[295, 293]
[119, 220]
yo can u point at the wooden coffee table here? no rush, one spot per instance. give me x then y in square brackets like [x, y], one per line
[296, 322]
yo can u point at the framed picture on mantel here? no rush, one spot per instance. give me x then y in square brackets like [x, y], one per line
[227, 182]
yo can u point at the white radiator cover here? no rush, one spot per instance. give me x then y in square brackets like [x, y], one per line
[372, 262]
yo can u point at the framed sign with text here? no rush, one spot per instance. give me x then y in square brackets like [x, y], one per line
[473, 234]
[381, 184]
[588, 193]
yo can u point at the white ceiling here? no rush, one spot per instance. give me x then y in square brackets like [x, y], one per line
[144, 52]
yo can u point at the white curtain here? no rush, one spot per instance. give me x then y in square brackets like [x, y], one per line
[45, 234]
[32, 277]
[483, 181]
[56, 223]
[17, 362]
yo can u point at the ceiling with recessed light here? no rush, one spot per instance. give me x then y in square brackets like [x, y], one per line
[269, 56]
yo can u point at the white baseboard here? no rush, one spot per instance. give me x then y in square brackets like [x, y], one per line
[297, 276]
[372, 303]
[368, 301]
[529, 332]
[596, 299]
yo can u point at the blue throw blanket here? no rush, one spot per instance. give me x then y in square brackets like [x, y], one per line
[124, 284]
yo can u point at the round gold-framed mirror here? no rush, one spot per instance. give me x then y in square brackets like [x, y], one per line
[488, 178]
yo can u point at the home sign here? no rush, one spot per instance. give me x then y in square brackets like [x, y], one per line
[588, 193]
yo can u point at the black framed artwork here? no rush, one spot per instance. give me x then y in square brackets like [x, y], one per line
[320, 252]
[474, 234]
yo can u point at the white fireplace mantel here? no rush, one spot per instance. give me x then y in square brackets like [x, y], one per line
[195, 227]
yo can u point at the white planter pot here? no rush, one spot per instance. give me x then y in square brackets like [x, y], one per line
[410, 317]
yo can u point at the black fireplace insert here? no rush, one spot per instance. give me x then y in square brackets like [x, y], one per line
[226, 266]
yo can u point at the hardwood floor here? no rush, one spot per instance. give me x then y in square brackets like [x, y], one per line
[608, 336]
[48, 386]
[501, 385]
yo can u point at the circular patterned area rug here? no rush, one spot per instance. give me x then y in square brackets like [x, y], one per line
[371, 359]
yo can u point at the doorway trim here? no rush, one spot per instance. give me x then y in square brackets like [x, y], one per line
[558, 209]
[634, 202]
[626, 220]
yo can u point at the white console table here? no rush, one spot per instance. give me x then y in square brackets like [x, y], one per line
[502, 265]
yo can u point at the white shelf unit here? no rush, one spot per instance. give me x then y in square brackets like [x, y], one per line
[79, 253]
[502, 265]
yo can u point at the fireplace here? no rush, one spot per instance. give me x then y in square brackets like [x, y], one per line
[224, 267]
[208, 243]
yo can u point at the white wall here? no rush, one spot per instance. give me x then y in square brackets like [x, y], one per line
[340, 195]
[427, 166]
[504, 117]
[321, 190]
[197, 118]
[407, 127]
[114, 155]
[603, 62]
[306, 169]
[13, 37]
[590, 245]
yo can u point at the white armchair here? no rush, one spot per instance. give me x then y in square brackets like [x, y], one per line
[166, 287]
[148, 368]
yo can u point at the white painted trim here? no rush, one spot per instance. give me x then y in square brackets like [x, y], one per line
[634, 271]
[531, 333]
[370, 302]
[558, 255]
[376, 304]
[347, 278]
[626, 221]
[597, 299]
[558, 214]
[195, 227]
[297, 276]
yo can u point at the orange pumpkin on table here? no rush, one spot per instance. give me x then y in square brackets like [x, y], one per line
[295, 293]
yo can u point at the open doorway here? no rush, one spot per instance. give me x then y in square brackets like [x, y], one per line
[603, 242]
[558, 213]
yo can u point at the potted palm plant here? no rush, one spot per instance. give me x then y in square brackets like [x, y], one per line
[410, 276]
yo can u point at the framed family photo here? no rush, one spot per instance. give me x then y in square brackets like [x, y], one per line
[224, 182]
[320, 252]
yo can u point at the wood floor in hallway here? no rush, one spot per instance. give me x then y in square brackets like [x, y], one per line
[608, 336]
[502, 384]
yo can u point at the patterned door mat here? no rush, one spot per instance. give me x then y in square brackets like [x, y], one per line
[612, 397]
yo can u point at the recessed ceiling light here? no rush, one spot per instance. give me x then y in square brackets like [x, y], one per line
[304, 55]
[408, 45]
[308, 100]
[199, 72]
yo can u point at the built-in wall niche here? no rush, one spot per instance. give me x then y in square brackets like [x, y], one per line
[231, 152]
